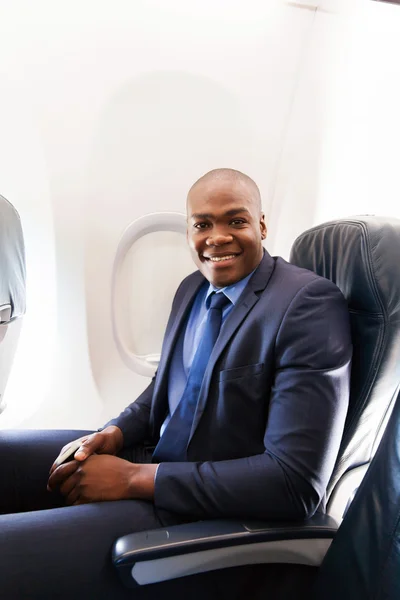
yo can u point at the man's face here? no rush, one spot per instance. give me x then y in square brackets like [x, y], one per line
[225, 230]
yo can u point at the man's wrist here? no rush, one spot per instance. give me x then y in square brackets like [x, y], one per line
[142, 481]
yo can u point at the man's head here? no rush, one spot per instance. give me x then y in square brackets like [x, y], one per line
[225, 226]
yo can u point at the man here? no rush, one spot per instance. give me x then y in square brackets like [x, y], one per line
[245, 414]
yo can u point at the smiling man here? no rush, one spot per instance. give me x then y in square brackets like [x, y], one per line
[243, 418]
[225, 226]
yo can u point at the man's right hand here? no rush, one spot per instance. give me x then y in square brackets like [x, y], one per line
[108, 441]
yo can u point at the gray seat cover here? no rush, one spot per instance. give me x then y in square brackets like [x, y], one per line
[12, 260]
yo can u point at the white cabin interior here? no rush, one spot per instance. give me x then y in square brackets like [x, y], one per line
[109, 111]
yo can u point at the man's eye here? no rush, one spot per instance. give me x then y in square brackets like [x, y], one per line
[201, 225]
[238, 222]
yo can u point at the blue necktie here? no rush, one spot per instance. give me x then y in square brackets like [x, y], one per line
[173, 442]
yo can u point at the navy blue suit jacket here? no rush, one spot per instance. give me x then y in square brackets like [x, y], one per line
[271, 411]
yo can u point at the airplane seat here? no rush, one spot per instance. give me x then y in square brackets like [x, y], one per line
[363, 560]
[12, 289]
[360, 255]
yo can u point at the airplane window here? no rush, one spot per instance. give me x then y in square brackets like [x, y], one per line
[150, 270]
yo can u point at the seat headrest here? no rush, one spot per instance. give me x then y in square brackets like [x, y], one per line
[12, 260]
[361, 255]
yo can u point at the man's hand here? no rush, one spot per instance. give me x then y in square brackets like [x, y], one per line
[102, 478]
[108, 441]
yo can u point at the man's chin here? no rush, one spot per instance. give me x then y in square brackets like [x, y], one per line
[221, 280]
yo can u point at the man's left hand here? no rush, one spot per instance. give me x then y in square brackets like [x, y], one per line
[103, 477]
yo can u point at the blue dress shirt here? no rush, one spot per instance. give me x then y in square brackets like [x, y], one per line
[190, 337]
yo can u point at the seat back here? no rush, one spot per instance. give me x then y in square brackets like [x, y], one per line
[364, 558]
[12, 288]
[361, 256]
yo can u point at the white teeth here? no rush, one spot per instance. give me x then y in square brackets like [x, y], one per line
[220, 258]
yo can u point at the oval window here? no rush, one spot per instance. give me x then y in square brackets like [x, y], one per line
[151, 260]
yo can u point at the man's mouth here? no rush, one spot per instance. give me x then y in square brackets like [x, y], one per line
[221, 258]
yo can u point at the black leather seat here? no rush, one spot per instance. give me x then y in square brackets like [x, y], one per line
[364, 558]
[360, 255]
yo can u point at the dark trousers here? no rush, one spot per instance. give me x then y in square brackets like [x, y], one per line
[52, 552]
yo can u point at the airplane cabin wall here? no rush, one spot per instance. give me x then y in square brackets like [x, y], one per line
[340, 155]
[108, 114]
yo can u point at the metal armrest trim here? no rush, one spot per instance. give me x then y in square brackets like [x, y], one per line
[161, 554]
[304, 552]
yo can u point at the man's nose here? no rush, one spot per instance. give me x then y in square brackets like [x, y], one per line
[219, 238]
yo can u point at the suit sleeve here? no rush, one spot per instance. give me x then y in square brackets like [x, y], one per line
[307, 408]
[134, 420]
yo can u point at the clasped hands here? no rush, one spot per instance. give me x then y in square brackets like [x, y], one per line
[97, 475]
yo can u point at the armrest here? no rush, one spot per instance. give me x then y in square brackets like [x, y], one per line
[5, 313]
[171, 552]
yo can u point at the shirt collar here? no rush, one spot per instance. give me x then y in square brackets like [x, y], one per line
[231, 291]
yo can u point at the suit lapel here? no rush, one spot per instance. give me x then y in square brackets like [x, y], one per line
[247, 300]
[178, 319]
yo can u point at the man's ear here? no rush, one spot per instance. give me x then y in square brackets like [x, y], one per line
[263, 227]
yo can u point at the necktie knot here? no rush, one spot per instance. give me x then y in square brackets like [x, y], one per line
[219, 301]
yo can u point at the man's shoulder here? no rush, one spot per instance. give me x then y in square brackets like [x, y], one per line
[299, 277]
[285, 267]
[193, 279]
[190, 282]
